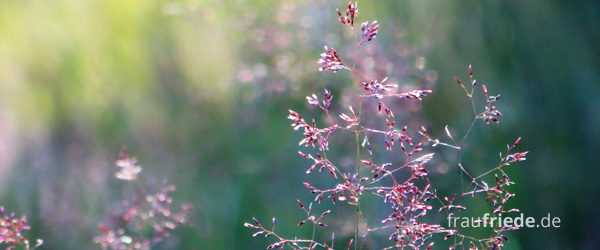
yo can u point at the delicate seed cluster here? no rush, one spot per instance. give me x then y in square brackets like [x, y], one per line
[149, 213]
[330, 61]
[351, 13]
[313, 135]
[368, 32]
[490, 113]
[128, 170]
[377, 89]
[325, 104]
[12, 229]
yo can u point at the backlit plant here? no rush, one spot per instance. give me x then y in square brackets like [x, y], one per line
[405, 187]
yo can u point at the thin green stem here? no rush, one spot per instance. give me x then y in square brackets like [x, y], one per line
[357, 137]
[313, 236]
[357, 195]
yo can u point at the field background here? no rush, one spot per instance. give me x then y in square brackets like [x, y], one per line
[198, 91]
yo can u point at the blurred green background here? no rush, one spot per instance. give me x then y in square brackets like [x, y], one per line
[199, 91]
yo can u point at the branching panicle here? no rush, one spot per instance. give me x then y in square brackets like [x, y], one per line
[148, 218]
[407, 190]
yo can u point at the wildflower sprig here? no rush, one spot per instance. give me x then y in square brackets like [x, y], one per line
[294, 243]
[490, 113]
[407, 192]
[148, 218]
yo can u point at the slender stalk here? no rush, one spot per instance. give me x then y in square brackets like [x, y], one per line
[357, 137]
[358, 194]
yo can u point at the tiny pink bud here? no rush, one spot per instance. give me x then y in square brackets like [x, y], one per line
[430, 245]
[517, 141]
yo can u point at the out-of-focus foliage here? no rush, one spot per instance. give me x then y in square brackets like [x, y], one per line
[199, 91]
